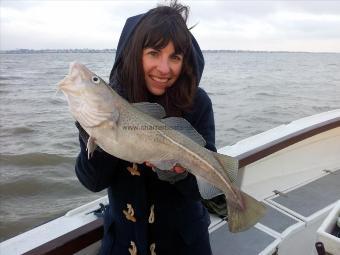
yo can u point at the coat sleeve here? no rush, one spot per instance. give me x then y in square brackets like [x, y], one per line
[98, 172]
[202, 118]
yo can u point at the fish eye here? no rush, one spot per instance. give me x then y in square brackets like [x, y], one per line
[95, 79]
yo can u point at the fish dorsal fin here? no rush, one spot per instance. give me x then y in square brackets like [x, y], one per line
[183, 126]
[153, 109]
[229, 164]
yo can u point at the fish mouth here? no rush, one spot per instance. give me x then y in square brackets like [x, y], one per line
[74, 69]
[77, 69]
[62, 85]
[75, 72]
[66, 80]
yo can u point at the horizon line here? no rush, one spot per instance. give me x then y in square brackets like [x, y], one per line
[89, 50]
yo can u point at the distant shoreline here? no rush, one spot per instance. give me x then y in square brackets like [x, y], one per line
[30, 51]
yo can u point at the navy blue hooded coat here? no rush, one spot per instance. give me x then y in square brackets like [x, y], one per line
[180, 221]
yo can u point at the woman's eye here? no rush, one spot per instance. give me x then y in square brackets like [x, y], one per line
[95, 79]
[177, 57]
[153, 53]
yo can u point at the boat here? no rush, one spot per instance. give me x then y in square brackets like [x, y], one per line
[293, 168]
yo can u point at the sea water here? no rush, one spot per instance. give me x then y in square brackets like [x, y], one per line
[251, 92]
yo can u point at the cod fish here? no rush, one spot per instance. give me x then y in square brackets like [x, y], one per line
[140, 133]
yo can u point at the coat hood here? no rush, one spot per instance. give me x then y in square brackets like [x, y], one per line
[126, 34]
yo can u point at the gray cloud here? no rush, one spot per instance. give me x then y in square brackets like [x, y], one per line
[252, 25]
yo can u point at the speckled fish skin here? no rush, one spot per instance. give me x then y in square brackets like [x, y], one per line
[124, 131]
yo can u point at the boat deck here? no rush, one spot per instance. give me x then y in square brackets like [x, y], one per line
[291, 216]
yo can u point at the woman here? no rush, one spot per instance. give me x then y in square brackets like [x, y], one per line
[154, 212]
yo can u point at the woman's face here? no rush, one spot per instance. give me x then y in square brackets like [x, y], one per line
[161, 68]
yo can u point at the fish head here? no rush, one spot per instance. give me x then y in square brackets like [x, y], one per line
[90, 99]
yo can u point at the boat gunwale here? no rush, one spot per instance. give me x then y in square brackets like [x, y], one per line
[84, 236]
[72, 242]
[263, 151]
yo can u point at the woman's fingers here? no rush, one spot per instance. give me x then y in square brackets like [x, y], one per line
[178, 169]
[150, 165]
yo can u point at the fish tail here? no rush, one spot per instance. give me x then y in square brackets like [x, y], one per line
[244, 211]
[240, 219]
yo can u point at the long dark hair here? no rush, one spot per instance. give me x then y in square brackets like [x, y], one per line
[156, 29]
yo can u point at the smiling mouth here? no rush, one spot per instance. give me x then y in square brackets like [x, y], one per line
[158, 79]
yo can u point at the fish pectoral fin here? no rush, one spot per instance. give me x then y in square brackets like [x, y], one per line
[91, 117]
[112, 122]
[153, 109]
[91, 146]
[183, 126]
[164, 164]
[241, 219]
[229, 164]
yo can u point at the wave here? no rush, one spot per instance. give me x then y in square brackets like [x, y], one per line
[21, 130]
[8, 78]
[265, 94]
[5, 132]
[36, 159]
[4, 92]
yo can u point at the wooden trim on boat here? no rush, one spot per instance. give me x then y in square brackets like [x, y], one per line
[261, 152]
[73, 241]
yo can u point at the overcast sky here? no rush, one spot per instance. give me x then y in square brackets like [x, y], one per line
[232, 25]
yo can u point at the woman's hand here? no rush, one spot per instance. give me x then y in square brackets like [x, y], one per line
[173, 175]
[178, 169]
